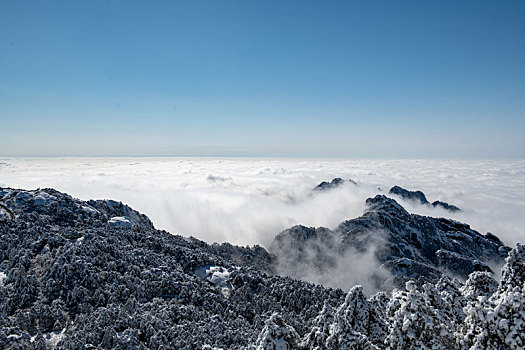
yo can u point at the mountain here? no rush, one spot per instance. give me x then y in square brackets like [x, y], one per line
[74, 275]
[409, 246]
[97, 275]
[420, 197]
[336, 182]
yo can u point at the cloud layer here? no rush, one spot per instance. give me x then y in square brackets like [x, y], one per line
[249, 201]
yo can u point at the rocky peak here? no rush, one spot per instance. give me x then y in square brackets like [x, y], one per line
[408, 245]
[336, 182]
[419, 197]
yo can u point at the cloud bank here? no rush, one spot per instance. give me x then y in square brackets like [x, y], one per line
[249, 201]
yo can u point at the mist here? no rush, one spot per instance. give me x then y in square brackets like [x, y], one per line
[248, 201]
[323, 259]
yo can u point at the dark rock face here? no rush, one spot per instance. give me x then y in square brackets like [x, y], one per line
[417, 196]
[420, 197]
[336, 182]
[410, 246]
[71, 281]
[445, 205]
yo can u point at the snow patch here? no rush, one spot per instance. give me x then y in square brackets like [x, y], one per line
[121, 222]
[3, 277]
[89, 209]
[217, 275]
[4, 214]
[53, 338]
[43, 199]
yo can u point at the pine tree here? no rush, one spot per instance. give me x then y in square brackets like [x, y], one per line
[509, 300]
[498, 321]
[349, 329]
[277, 335]
[316, 338]
[413, 322]
[377, 322]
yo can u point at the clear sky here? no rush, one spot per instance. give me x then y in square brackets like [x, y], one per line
[263, 78]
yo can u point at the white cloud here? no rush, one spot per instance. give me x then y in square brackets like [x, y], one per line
[249, 201]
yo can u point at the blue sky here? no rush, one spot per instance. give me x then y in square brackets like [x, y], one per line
[263, 78]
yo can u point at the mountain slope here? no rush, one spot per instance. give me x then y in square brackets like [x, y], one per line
[74, 278]
[97, 274]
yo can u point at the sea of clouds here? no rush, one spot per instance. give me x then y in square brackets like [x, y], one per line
[249, 201]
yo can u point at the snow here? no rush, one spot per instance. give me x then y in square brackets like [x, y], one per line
[53, 338]
[4, 192]
[121, 222]
[3, 277]
[23, 196]
[43, 199]
[217, 275]
[89, 209]
[4, 215]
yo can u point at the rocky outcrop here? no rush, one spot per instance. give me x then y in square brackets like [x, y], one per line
[336, 182]
[445, 206]
[416, 196]
[410, 246]
[420, 198]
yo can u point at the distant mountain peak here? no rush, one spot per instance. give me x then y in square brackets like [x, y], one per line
[336, 182]
[410, 246]
[419, 197]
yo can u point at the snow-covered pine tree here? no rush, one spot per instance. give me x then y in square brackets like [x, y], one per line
[496, 321]
[277, 335]
[413, 322]
[452, 302]
[443, 314]
[479, 284]
[316, 338]
[509, 300]
[377, 321]
[349, 329]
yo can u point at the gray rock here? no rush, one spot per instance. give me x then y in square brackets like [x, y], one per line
[336, 182]
[417, 196]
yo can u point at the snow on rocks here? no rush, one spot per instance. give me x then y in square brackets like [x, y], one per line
[3, 277]
[23, 197]
[5, 214]
[277, 335]
[43, 198]
[89, 209]
[121, 222]
[112, 208]
[217, 275]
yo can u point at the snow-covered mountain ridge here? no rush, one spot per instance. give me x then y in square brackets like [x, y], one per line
[96, 274]
[409, 246]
